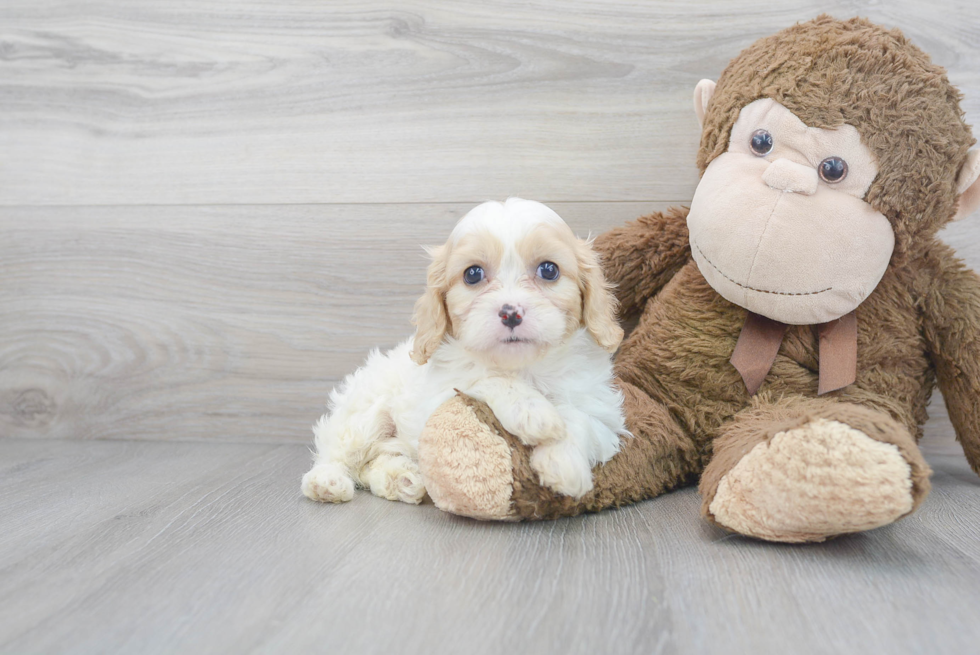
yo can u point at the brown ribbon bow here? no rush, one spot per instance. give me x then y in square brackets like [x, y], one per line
[759, 342]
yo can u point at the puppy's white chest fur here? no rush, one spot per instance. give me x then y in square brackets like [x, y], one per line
[574, 375]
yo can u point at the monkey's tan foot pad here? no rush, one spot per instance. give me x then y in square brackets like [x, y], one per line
[466, 465]
[822, 479]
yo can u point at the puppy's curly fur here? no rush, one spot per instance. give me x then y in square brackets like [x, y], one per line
[517, 314]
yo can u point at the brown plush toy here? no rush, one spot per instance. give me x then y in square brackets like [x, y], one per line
[794, 322]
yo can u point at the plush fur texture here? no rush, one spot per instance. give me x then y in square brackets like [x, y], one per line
[469, 470]
[686, 403]
[848, 483]
[486, 481]
[770, 236]
[831, 73]
[852, 483]
[535, 346]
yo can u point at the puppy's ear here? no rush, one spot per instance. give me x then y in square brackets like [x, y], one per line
[431, 319]
[598, 302]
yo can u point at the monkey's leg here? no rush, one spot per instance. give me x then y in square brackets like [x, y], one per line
[472, 467]
[805, 469]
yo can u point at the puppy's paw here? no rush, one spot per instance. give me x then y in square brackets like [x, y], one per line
[562, 467]
[534, 421]
[328, 483]
[409, 487]
[395, 478]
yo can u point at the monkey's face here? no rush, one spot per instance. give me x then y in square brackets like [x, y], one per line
[779, 224]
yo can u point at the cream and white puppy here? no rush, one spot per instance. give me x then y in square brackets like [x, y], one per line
[516, 314]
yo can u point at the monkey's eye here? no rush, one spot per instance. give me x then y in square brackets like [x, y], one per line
[832, 169]
[761, 143]
[473, 275]
[548, 271]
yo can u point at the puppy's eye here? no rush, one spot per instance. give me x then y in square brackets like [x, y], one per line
[832, 169]
[761, 143]
[473, 275]
[548, 271]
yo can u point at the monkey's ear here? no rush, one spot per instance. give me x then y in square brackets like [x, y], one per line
[702, 94]
[968, 185]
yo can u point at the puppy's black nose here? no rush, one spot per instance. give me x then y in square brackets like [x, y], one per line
[510, 317]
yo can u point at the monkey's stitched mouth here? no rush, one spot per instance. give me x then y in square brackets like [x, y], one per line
[736, 282]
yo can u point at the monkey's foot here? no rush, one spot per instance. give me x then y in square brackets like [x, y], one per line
[809, 483]
[473, 467]
[467, 465]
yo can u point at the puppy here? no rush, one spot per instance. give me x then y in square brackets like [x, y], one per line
[516, 314]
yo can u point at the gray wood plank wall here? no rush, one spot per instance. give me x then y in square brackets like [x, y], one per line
[210, 211]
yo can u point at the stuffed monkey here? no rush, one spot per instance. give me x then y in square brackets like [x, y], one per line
[795, 320]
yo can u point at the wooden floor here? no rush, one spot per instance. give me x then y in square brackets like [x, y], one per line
[210, 211]
[164, 547]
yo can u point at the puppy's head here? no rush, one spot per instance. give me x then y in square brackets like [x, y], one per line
[512, 281]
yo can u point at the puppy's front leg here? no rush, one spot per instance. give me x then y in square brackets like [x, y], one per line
[566, 466]
[521, 409]
[563, 467]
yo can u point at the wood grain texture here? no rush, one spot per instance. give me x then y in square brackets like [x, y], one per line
[217, 323]
[167, 277]
[168, 547]
[207, 322]
[300, 101]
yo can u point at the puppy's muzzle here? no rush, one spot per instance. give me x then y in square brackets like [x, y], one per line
[510, 316]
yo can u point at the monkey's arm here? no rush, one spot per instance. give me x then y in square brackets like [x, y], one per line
[641, 256]
[952, 330]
